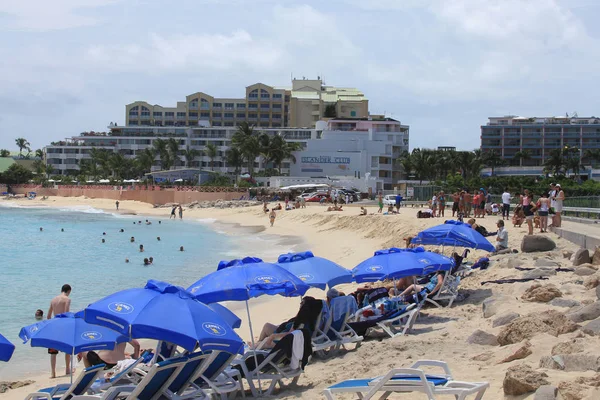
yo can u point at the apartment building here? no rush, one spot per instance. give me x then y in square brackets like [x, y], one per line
[340, 147]
[536, 137]
[301, 105]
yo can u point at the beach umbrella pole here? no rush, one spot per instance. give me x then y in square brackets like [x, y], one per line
[253, 346]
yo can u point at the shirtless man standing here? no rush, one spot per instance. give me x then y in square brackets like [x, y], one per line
[59, 305]
[109, 357]
[468, 198]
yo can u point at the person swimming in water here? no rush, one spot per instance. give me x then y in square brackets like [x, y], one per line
[62, 229]
[103, 233]
[181, 248]
[141, 248]
[158, 238]
[126, 260]
[132, 239]
[122, 230]
[146, 261]
[41, 229]
[103, 241]
[39, 314]
[151, 260]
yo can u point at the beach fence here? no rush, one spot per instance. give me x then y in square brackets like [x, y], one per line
[414, 192]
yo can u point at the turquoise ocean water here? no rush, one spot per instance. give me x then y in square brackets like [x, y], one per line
[34, 265]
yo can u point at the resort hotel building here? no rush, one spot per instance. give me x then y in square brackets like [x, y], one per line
[337, 135]
[525, 143]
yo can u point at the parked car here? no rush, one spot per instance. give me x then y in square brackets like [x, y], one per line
[317, 198]
[389, 200]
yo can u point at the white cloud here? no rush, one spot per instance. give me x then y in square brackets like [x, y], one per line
[44, 15]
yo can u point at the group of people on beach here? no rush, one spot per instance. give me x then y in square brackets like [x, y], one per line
[549, 205]
[475, 202]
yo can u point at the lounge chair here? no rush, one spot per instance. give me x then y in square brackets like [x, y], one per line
[126, 376]
[218, 378]
[394, 323]
[151, 387]
[321, 342]
[182, 386]
[406, 380]
[342, 311]
[66, 391]
[448, 291]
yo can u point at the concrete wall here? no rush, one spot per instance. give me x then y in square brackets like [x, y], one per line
[146, 196]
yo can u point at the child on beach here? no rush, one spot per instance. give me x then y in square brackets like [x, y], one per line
[380, 203]
[272, 217]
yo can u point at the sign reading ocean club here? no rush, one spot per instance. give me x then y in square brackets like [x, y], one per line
[325, 160]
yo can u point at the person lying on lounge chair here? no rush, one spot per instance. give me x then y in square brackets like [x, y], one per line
[432, 287]
[310, 308]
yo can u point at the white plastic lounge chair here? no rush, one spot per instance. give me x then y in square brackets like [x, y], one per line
[342, 311]
[268, 370]
[182, 386]
[128, 376]
[151, 387]
[406, 380]
[401, 322]
[448, 291]
[217, 378]
[66, 391]
[321, 342]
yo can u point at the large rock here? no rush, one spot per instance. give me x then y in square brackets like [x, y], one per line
[567, 254]
[526, 327]
[585, 313]
[596, 256]
[6, 385]
[546, 392]
[571, 347]
[521, 379]
[505, 319]
[541, 293]
[546, 262]
[539, 273]
[491, 305]
[571, 362]
[571, 391]
[482, 338]
[592, 327]
[518, 353]
[585, 270]
[582, 256]
[591, 282]
[533, 243]
[559, 302]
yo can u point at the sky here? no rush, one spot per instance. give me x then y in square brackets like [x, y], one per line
[441, 66]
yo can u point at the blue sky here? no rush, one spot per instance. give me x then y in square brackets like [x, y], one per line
[441, 66]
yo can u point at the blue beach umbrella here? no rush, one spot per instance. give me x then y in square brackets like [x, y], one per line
[6, 349]
[315, 271]
[453, 233]
[166, 312]
[244, 279]
[232, 320]
[70, 334]
[394, 263]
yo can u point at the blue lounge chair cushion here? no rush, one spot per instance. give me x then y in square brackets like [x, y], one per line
[351, 383]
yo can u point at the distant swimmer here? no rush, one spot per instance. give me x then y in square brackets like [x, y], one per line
[146, 261]
[103, 241]
[134, 222]
[139, 222]
[126, 260]
[104, 233]
[41, 229]
[39, 314]
[148, 222]
[62, 229]
[141, 248]
[158, 238]
[132, 239]
[122, 230]
[151, 260]
[181, 248]
[159, 222]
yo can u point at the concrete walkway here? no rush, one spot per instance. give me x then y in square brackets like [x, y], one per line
[585, 235]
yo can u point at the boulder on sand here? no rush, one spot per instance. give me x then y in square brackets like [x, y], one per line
[592, 327]
[571, 362]
[526, 327]
[585, 313]
[596, 256]
[585, 270]
[518, 352]
[541, 293]
[521, 379]
[482, 338]
[546, 392]
[559, 302]
[533, 243]
[571, 347]
[539, 273]
[582, 256]
[491, 305]
[505, 319]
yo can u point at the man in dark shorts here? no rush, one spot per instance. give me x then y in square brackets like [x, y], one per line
[59, 305]
[110, 357]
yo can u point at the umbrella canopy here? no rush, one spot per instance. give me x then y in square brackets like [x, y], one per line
[70, 334]
[232, 320]
[247, 278]
[396, 263]
[90, 181]
[6, 349]
[315, 271]
[454, 233]
[166, 312]
[178, 180]
[103, 181]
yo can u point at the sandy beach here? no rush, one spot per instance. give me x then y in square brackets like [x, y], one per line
[441, 334]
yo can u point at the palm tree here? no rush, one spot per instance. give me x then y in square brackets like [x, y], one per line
[572, 160]
[211, 152]
[248, 142]
[100, 158]
[22, 143]
[144, 161]
[492, 159]
[277, 150]
[406, 163]
[4, 153]
[39, 153]
[593, 155]
[119, 165]
[160, 148]
[189, 155]
[555, 162]
[522, 155]
[173, 146]
[421, 162]
[39, 167]
[49, 170]
[235, 159]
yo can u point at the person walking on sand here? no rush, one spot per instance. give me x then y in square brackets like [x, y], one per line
[380, 200]
[506, 204]
[180, 212]
[117, 204]
[272, 216]
[173, 213]
[59, 305]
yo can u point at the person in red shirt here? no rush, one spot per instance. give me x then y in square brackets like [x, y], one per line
[476, 202]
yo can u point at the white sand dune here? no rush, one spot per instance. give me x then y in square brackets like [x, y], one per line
[440, 334]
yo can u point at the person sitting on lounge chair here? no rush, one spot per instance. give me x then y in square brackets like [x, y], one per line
[310, 308]
[435, 283]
